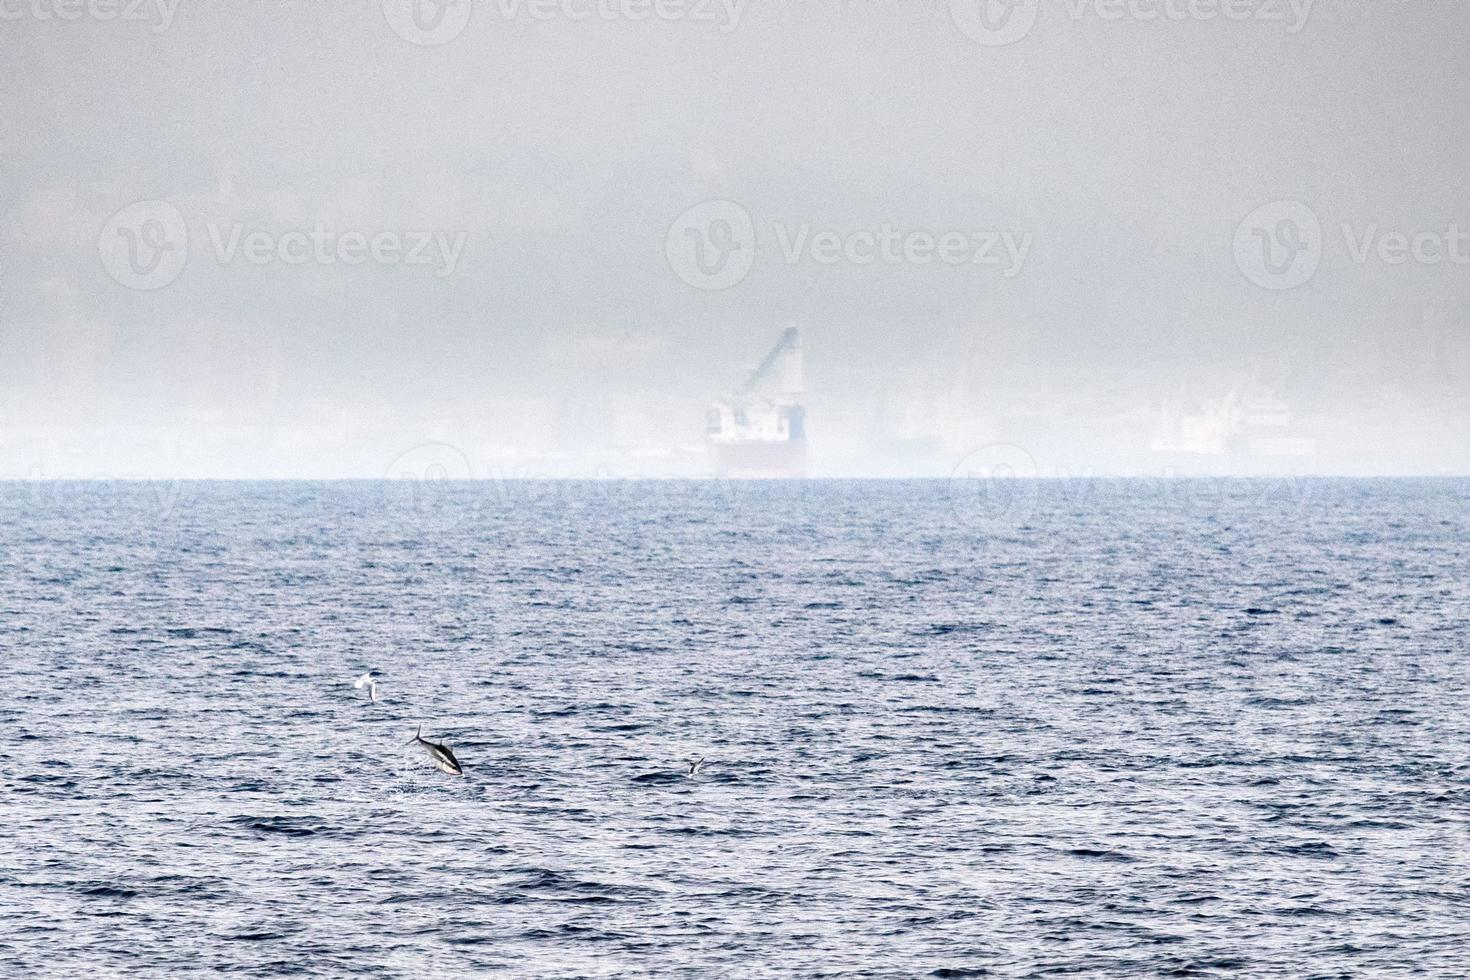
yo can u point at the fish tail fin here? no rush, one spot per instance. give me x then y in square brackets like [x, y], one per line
[417, 735]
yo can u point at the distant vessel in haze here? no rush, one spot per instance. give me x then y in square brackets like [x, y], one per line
[1261, 426]
[760, 430]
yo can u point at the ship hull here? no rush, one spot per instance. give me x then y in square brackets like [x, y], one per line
[761, 459]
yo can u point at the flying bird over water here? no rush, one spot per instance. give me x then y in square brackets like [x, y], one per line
[444, 759]
[694, 767]
[366, 680]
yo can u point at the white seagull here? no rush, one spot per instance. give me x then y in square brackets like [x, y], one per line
[366, 680]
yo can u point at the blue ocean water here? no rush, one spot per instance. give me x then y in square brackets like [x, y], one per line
[1113, 728]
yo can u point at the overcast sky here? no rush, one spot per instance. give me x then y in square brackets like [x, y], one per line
[300, 239]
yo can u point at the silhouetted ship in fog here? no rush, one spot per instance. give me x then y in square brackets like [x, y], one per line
[760, 430]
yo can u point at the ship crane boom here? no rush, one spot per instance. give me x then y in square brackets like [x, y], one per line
[760, 430]
[789, 342]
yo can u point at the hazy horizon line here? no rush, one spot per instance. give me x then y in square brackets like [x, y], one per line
[1172, 477]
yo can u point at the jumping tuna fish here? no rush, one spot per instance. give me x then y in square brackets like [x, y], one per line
[444, 759]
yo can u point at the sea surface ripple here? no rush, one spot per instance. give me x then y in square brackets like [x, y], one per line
[1080, 727]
